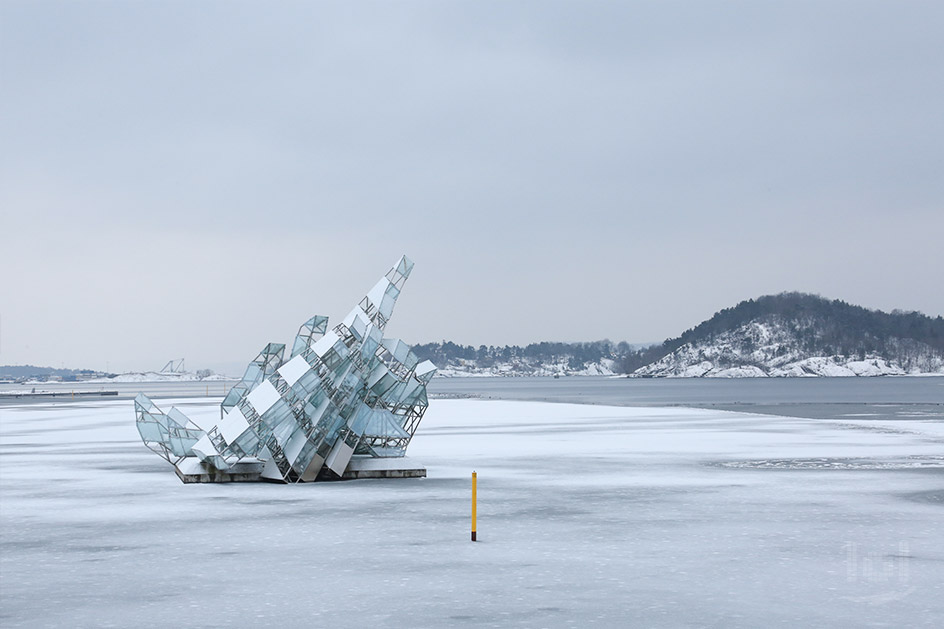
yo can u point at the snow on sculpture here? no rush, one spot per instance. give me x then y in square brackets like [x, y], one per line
[344, 399]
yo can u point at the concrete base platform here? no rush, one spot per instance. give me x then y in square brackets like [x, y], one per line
[193, 470]
[400, 467]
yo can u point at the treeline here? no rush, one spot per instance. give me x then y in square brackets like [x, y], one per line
[576, 354]
[823, 327]
[28, 371]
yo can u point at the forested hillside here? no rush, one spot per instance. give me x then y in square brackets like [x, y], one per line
[781, 334]
[790, 334]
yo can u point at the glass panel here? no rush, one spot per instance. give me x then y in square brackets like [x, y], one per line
[350, 391]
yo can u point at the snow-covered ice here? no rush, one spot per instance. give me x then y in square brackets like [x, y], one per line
[587, 515]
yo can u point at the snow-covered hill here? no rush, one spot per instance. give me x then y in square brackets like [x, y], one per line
[778, 346]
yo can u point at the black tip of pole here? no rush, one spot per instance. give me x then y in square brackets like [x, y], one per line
[473, 536]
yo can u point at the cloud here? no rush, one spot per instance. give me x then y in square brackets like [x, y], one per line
[557, 170]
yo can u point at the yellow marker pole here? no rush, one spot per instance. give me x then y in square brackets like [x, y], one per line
[474, 479]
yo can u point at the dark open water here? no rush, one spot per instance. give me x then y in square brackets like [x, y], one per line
[824, 398]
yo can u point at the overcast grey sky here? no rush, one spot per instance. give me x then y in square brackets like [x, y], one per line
[197, 178]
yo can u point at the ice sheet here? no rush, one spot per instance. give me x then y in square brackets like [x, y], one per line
[587, 515]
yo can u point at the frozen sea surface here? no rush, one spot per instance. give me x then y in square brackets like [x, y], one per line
[588, 515]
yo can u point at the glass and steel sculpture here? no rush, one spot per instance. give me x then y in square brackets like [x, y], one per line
[343, 395]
